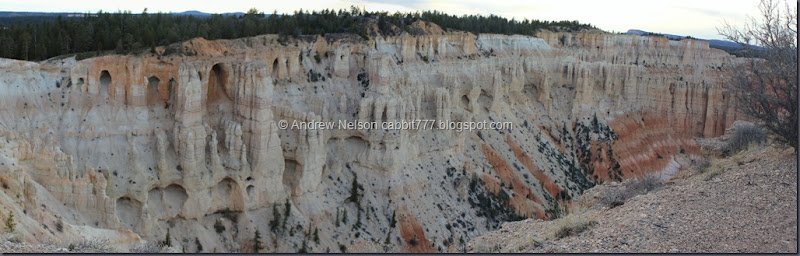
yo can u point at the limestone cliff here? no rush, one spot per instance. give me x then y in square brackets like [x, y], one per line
[188, 142]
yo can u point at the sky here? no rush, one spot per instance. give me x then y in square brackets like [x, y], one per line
[697, 18]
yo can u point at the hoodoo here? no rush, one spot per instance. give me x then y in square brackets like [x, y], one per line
[138, 146]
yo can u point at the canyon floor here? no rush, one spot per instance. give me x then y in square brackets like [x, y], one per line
[749, 206]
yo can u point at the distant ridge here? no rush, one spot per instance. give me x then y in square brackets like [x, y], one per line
[724, 45]
[73, 14]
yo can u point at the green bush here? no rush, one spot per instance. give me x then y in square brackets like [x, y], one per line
[257, 242]
[219, 227]
[10, 223]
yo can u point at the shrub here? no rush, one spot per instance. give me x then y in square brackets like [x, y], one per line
[94, 245]
[701, 166]
[712, 172]
[219, 227]
[616, 196]
[60, 226]
[645, 184]
[744, 136]
[613, 197]
[573, 225]
[149, 247]
[10, 223]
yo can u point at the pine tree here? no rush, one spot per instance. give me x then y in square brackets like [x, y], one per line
[276, 218]
[354, 195]
[303, 248]
[287, 210]
[337, 217]
[198, 244]
[10, 223]
[358, 220]
[394, 219]
[167, 240]
[257, 242]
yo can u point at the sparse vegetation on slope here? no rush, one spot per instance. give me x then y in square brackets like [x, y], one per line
[691, 215]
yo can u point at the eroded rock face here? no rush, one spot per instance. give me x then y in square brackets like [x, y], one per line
[190, 143]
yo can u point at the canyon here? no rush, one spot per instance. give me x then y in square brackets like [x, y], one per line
[185, 141]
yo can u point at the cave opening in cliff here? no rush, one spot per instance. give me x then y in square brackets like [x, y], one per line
[465, 103]
[275, 68]
[217, 80]
[153, 95]
[227, 196]
[251, 192]
[129, 212]
[171, 92]
[218, 105]
[291, 174]
[105, 81]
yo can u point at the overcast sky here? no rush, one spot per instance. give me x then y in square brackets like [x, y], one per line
[697, 18]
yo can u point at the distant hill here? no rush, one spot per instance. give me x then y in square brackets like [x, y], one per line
[725, 45]
[13, 18]
[74, 14]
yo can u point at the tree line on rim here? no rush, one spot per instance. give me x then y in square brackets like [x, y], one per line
[123, 32]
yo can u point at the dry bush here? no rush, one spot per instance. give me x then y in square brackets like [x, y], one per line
[712, 172]
[701, 166]
[744, 136]
[616, 196]
[91, 245]
[573, 224]
[765, 87]
[149, 247]
[644, 184]
[613, 197]
[707, 170]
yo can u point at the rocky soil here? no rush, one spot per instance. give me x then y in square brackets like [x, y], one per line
[749, 207]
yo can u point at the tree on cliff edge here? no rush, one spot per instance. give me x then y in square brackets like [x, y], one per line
[765, 87]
